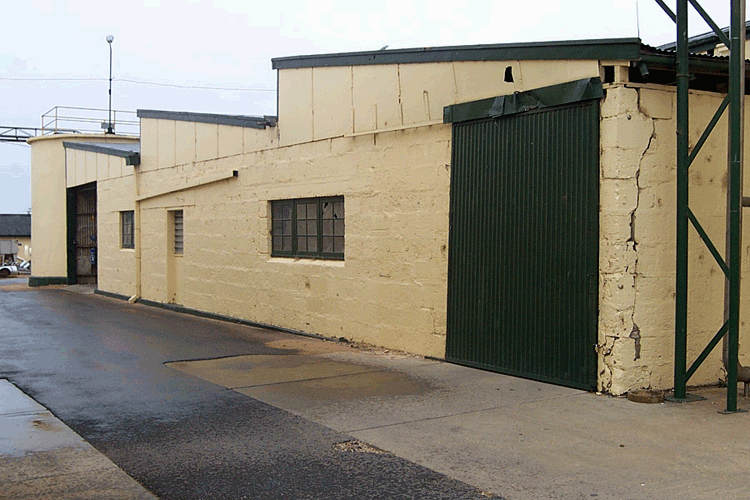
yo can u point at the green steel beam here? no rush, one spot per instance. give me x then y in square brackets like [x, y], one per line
[731, 264]
[710, 347]
[710, 244]
[681, 285]
[709, 129]
[666, 9]
[736, 119]
[719, 33]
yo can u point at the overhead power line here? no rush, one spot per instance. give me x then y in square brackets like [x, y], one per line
[136, 82]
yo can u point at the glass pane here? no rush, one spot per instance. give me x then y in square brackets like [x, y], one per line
[327, 210]
[312, 244]
[328, 227]
[312, 210]
[312, 227]
[301, 228]
[286, 244]
[327, 244]
[286, 227]
[338, 244]
[338, 227]
[276, 211]
[338, 210]
[277, 227]
[277, 243]
[286, 211]
[301, 244]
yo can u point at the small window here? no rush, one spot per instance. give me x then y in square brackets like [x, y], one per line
[308, 227]
[178, 233]
[127, 230]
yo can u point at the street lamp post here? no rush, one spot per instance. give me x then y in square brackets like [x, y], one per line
[110, 128]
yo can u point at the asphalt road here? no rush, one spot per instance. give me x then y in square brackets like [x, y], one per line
[98, 365]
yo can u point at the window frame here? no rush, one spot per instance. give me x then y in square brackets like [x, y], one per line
[178, 234]
[306, 254]
[131, 233]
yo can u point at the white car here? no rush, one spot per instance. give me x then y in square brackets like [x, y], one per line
[8, 270]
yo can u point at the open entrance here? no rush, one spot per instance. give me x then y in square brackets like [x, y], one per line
[82, 249]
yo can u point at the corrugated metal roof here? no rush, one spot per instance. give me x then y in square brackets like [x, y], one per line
[702, 42]
[15, 225]
[620, 49]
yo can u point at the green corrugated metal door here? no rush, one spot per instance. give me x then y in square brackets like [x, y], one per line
[523, 262]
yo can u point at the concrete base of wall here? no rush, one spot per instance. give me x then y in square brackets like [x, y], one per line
[47, 280]
[209, 315]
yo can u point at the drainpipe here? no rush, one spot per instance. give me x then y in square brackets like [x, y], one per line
[137, 237]
[743, 372]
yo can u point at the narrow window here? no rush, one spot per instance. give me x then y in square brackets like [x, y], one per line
[509, 74]
[308, 227]
[127, 229]
[178, 232]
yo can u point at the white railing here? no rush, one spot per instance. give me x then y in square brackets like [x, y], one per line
[76, 120]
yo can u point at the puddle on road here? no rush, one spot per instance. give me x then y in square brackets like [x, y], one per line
[304, 376]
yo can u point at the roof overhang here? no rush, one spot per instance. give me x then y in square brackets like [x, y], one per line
[259, 122]
[627, 49]
[131, 152]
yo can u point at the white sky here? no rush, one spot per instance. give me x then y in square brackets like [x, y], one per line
[230, 43]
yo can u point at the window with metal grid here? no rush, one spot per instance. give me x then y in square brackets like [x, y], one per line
[127, 229]
[308, 227]
[178, 232]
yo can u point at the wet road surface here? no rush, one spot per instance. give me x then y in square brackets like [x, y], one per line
[99, 365]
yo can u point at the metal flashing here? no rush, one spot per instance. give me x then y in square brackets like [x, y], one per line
[544, 97]
[627, 49]
[131, 152]
[259, 122]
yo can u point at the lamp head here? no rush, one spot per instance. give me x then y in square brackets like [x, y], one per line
[110, 38]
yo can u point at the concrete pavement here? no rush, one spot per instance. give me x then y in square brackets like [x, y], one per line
[513, 437]
[42, 458]
[507, 436]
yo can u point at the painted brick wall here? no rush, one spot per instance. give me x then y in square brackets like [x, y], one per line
[637, 239]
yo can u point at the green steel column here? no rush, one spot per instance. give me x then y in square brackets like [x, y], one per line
[681, 285]
[736, 112]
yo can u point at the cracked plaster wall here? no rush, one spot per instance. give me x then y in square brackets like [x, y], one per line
[637, 238]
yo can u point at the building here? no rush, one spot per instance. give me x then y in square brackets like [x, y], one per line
[509, 207]
[17, 227]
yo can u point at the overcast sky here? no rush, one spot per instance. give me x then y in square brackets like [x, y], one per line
[55, 53]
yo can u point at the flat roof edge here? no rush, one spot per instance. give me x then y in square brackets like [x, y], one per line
[259, 122]
[133, 157]
[610, 49]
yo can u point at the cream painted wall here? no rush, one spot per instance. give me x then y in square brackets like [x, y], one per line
[116, 192]
[319, 103]
[390, 289]
[637, 244]
[48, 198]
[167, 143]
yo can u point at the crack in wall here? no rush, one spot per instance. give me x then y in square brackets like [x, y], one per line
[635, 136]
[635, 333]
